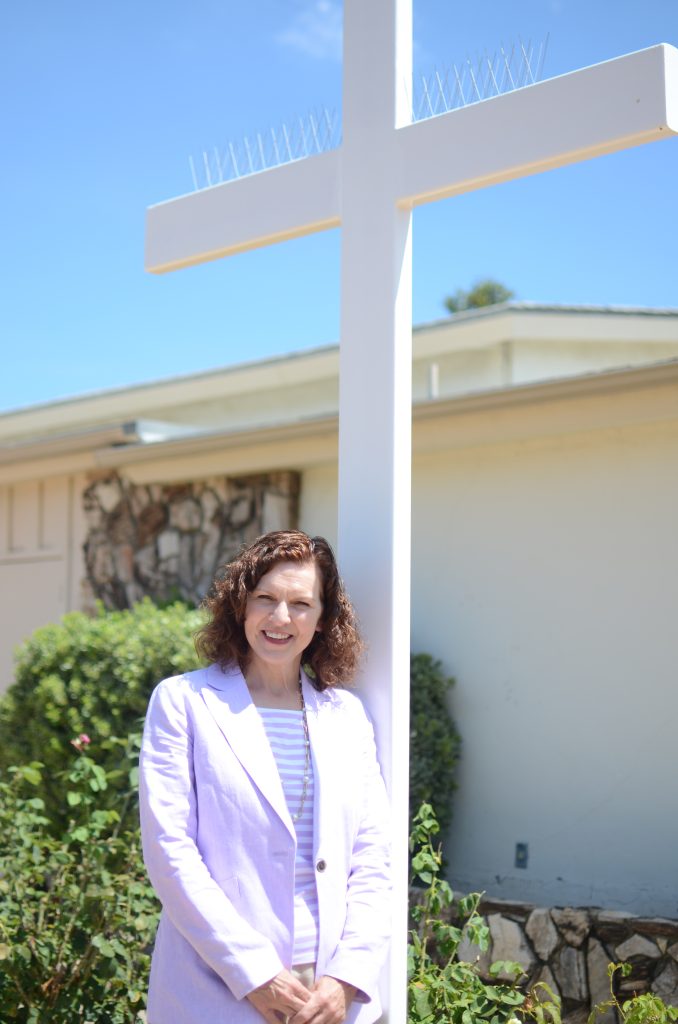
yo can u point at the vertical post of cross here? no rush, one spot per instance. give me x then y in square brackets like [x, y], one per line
[375, 402]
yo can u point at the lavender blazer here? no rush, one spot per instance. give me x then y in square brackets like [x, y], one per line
[219, 845]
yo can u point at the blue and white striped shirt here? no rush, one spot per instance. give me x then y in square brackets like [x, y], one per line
[285, 732]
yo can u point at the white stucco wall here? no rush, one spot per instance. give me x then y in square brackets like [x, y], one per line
[543, 359]
[318, 504]
[545, 576]
[41, 532]
[459, 372]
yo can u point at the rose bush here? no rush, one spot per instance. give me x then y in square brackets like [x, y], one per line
[77, 913]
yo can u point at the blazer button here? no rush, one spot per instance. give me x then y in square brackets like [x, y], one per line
[321, 865]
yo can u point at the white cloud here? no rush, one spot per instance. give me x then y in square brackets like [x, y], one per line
[316, 30]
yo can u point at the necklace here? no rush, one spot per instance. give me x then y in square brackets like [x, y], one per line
[307, 757]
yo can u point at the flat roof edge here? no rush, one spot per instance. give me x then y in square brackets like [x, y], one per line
[664, 373]
[465, 316]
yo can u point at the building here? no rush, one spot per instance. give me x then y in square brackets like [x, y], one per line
[545, 559]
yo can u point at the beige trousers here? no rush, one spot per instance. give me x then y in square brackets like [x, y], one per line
[305, 973]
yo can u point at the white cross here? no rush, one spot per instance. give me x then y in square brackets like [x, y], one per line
[386, 166]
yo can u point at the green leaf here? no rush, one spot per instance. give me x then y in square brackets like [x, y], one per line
[101, 943]
[421, 1001]
[73, 798]
[508, 968]
[31, 774]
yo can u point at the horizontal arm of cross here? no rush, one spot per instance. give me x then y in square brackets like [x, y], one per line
[607, 107]
[260, 209]
[611, 106]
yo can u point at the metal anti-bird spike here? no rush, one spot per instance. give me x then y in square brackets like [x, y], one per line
[316, 132]
[473, 81]
[462, 84]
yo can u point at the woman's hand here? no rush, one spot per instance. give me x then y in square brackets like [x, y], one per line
[328, 1004]
[280, 998]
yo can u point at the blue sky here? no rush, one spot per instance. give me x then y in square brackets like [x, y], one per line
[104, 103]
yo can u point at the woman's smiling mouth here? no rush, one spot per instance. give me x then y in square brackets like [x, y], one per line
[276, 637]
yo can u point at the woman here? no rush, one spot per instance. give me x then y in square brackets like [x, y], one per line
[263, 811]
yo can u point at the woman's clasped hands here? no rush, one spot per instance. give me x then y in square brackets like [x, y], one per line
[285, 998]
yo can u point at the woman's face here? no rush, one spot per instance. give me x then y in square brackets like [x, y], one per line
[283, 614]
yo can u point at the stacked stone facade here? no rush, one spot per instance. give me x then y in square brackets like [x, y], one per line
[570, 948]
[168, 541]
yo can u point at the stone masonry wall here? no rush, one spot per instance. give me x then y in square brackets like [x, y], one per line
[167, 541]
[570, 948]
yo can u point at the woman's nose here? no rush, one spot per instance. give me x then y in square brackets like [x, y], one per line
[281, 612]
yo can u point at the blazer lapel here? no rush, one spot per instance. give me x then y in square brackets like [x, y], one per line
[322, 753]
[229, 701]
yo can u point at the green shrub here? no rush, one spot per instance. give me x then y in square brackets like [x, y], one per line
[442, 988]
[93, 676]
[647, 1008]
[434, 740]
[544, 1006]
[77, 914]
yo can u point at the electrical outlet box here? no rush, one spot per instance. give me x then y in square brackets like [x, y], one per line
[521, 855]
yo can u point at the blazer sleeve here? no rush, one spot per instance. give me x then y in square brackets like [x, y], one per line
[362, 948]
[199, 909]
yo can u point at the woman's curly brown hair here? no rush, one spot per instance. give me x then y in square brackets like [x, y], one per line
[334, 653]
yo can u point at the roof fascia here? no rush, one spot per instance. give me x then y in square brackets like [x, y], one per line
[605, 382]
[116, 456]
[124, 403]
[469, 329]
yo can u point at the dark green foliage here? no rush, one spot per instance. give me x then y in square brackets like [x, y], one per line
[93, 676]
[77, 913]
[434, 740]
[482, 293]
